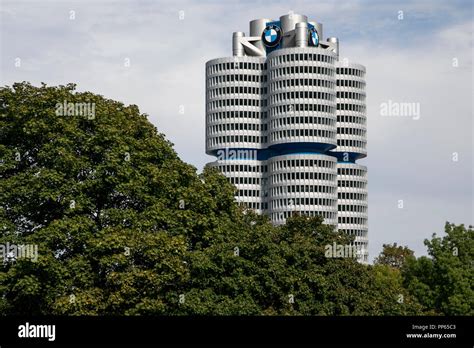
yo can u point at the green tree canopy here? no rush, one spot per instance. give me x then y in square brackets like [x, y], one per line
[393, 255]
[124, 227]
[444, 282]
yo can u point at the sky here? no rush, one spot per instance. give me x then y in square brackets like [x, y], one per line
[153, 54]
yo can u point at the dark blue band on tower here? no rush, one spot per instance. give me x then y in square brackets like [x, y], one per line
[347, 157]
[272, 151]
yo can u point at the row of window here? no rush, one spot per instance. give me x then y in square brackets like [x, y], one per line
[300, 57]
[302, 94]
[350, 83]
[213, 141]
[351, 107]
[225, 115]
[352, 208]
[351, 171]
[213, 81]
[237, 102]
[294, 163]
[280, 190]
[306, 120]
[352, 220]
[285, 177]
[248, 193]
[236, 65]
[352, 119]
[254, 205]
[352, 183]
[283, 121]
[289, 133]
[285, 215]
[215, 92]
[352, 195]
[351, 95]
[284, 109]
[302, 69]
[236, 127]
[276, 85]
[227, 168]
[354, 232]
[244, 180]
[351, 143]
[351, 131]
[350, 71]
[291, 203]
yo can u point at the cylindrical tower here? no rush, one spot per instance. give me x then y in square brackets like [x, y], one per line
[303, 184]
[301, 99]
[287, 123]
[236, 123]
[235, 100]
[351, 111]
[351, 146]
[352, 204]
[302, 128]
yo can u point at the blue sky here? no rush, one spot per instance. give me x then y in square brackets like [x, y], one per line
[408, 60]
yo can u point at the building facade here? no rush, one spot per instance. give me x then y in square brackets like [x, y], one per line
[286, 119]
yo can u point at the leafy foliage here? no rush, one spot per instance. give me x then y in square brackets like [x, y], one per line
[444, 283]
[393, 255]
[124, 227]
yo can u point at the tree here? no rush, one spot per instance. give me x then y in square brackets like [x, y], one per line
[393, 255]
[124, 227]
[444, 282]
[99, 196]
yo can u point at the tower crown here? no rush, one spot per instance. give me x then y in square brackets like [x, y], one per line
[291, 30]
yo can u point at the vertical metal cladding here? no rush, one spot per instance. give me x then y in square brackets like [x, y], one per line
[287, 122]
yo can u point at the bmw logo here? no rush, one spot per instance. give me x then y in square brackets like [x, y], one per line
[271, 35]
[313, 37]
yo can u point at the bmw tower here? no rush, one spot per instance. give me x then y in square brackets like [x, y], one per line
[286, 119]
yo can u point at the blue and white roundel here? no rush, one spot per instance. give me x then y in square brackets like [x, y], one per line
[313, 37]
[271, 35]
